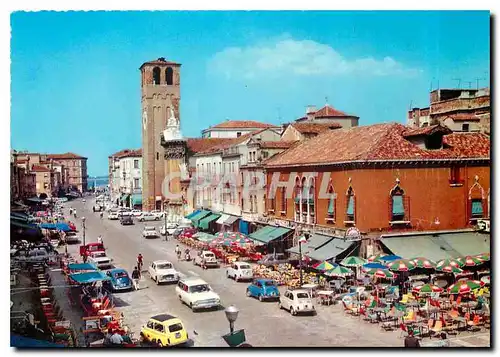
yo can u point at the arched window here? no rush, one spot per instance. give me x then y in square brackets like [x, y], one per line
[311, 201]
[351, 206]
[296, 199]
[331, 205]
[156, 75]
[477, 200]
[283, 200]
[303, 200]
[169, 75]
[397, 204]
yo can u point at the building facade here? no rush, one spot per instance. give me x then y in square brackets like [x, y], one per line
[328, 114]
[461, 110]
[126, 177]
[160, 93]
[236, 128]
[382, 178]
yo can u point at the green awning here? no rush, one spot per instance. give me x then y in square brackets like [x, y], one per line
[261, 233]
[316, 241]
[124, 198]
[197, 217]
[332, 249]
[205, 222]
[397, 205]
[270, 234]
[438, 246]
[136, 199]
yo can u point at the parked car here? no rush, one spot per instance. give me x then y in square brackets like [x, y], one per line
[37, 256]
[113, 215]
[124, 212]
[119, 280]
[72, 237]
[85, 250]
[146, 216]
[136, 212]
[274, 259]
[188, 232]
[158, 213]
[297, 301]
[239, 271]
[170, 229]
[126, 220]
[99, 259]
[263, 289]
[150, 232]
[164, 330]
[197, 294]
[206, 259]
[162, 271]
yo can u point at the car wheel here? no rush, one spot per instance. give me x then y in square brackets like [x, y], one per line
[227, 275]
[280, 306]
[156, 281]
[236, 278]
[157, 219]
[292, 311]
[249, 294]
[261, 298]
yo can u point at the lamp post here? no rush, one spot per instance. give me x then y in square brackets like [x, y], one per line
[165, 220]
[83, 223]
[231, 315]
[302, 239]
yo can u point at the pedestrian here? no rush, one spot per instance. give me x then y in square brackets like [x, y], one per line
[411, 341]
[99, 239]
[115, 338]
[136, 275]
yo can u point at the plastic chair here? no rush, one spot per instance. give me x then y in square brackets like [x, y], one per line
[437, 328]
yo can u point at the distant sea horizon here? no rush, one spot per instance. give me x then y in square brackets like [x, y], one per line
[99, 181]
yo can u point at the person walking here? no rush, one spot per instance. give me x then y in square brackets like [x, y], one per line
[139, 263]
[99, 239]
[135, 278]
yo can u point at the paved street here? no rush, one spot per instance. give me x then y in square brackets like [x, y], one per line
[264, 323]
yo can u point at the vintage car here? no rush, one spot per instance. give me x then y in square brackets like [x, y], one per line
[113, 215]
[85, 250]
[149, 232]
[162, 271]
[197, 294]
[274, 259]
[297, 301]
[158, 213]
[119, 280]
[99, 259]
[136, 212]
[188, 232]
[206, 259]
[263, 289]
[164, 330]
[126, 220]
[239, 271]
[170, 229]
[72, 237]
[146, 216]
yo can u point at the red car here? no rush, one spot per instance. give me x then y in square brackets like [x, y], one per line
[85, 250]
[188, 232]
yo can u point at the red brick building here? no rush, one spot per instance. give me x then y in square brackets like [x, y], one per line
[383, 177]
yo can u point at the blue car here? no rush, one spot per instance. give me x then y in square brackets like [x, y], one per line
[120, 280]
[263, 289]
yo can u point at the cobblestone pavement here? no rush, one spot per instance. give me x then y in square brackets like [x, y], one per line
[265, 325]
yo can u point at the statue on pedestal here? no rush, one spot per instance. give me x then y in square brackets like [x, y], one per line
[172, 132]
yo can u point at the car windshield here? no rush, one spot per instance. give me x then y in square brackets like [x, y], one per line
[245, 266]
[149, 228]
[164, 266]
[302, 296]
[209, 255]
[175, 327]
[99, 255]
[268, 283]
[96, 247]
[199, 288]
[120, 274]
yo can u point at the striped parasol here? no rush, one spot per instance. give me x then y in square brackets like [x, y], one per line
[446, 262]
[338, 271]
[381, 273]
[243, 242]
[449, 269]
[427, 289]
[352, 261]
[230, 235]
[324, 266]
[484, 256]
[376, 258]
[401, 265]
[465, 287]
[470, 261]
[421, 262]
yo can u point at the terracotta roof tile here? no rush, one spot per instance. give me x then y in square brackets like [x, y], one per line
[426, 130]
[39, 168]
[197, 145]
[377, 142]
[67, 155]
[242, 124]
[463, 117]
[315, 128]
[328, 112]
[160, 62]
[231, 142]
[276, 144]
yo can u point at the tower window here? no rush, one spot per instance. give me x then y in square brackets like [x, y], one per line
[169, 75]
[157, 156]
[465, 127]
[156, 75]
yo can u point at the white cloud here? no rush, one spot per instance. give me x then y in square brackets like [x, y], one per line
[301, 58]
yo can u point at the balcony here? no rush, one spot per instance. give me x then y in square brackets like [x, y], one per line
[232, 151]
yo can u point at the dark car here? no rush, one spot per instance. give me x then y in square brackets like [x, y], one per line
[126, 220]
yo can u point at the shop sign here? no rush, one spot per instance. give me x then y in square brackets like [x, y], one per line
[352, 234]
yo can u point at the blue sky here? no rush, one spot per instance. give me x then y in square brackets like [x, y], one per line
[75, 78]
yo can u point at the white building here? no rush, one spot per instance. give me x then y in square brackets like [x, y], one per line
[126, 178]
[236, 128]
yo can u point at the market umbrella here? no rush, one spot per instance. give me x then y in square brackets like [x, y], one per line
[324, 266]
[389, 258]
[374, 266]
[401, 265]
[484, 256]
[243, 242]
[464, 287]
[339, 271]
[470, 261]
[449, 269]
[421, 262]
[486, 279]
[446, 262]
[427, 289]
[352, 261]
[376, 258]
[381, 273]
[230, 235]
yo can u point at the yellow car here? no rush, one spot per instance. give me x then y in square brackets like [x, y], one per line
[164, 330]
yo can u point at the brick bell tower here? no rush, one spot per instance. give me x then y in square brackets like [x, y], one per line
[160, 93]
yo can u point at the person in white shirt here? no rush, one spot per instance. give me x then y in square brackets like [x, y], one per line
[99, 239]
[116, 338]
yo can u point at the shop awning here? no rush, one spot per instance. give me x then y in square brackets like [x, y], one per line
[439, 245]
[269, 233]
[222, 218]
[192, 214]
[316, 241]
[136, 199]
[331, 249]
[19, 224]
[204, 237]
[35, 200]
[205, 222]
[197, 217]
[124, 198]
[19, 341]
[81, 266]
[89, 277]
[63, 227]
[231, 220]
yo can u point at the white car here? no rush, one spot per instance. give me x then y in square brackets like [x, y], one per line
[146, 216]
[136, 212]
[240, 271]
[197, 294]
[206, 259]
[72, 237]
[297, 301]
[113, 215]
[99, 259]
[149, 232]
[158, 213]
[170, 229]
[162, 271]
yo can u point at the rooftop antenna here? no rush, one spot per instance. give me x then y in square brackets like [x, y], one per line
[411, 103]
[430, 89]
[470, 85]
[477, 81]
[459, 81]
[326, 100]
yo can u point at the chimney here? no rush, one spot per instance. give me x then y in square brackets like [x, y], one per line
[310, 110]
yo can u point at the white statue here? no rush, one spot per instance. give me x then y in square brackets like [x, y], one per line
[184, 170]
[172, 132]
[172, 121]
[144, 118]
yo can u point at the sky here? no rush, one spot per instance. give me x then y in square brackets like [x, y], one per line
[75, 79]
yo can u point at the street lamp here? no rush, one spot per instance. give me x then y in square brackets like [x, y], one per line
[231, 316]
[302, 239]
[83, 223]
